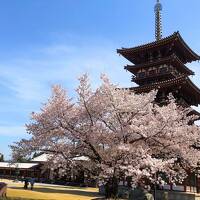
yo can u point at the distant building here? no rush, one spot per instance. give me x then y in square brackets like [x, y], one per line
[10, 170]
[34, 168]
[38, 168]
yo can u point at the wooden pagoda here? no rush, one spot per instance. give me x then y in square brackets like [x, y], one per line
[161, 65]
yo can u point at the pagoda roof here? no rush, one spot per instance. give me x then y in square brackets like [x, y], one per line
[173, 59]
[187, 87]
[132, 53]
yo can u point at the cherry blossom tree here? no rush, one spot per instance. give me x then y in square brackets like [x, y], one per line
[122, 134]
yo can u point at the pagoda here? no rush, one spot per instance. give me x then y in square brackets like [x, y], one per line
[161, 65]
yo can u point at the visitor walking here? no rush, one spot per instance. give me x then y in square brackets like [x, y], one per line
[140, 193]
[26, 183]
[32, 182]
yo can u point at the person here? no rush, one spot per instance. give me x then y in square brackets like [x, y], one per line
[3, 189]
[140, 193]
[32, 182]
[26, 183]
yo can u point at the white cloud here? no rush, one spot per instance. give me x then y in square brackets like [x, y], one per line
[12, 131]
[30, 78]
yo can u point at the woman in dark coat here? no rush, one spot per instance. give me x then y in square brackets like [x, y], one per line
[26, 184]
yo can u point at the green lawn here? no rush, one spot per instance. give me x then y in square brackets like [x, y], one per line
[44, 192]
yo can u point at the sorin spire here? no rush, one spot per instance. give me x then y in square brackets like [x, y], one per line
[158, 23]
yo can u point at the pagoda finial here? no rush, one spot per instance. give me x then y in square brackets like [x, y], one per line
[158, 24]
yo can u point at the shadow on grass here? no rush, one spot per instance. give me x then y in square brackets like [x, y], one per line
[99, 199]
[18, 198]
[65, 191]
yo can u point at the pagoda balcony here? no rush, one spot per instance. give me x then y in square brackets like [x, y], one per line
[160, 74]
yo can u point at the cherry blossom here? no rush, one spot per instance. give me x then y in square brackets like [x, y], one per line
[120, 132]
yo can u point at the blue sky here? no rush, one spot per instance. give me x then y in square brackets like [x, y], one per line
[46, 42]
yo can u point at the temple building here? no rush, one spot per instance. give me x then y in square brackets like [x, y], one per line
[39, 168]
[161, 65]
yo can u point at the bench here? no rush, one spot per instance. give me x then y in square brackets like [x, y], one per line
[3, 189]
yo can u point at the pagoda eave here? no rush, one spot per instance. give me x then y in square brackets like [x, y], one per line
[173, 41]
[158, 85]
[173, 59]
[196, 113]
[182, 83]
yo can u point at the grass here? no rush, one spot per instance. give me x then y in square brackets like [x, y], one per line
[49, 192]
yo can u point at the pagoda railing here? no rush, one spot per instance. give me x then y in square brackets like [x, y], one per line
[155, 73]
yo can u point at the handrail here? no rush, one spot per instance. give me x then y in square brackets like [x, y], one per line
[157, 73]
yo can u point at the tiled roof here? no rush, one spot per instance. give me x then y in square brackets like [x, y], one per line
[18, 165]
[45, 157]
[42, 158]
